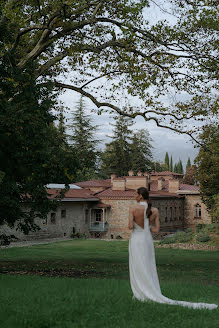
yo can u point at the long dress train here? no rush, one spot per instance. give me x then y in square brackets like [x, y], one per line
[142, 268]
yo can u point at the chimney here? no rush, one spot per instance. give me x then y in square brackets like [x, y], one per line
[139, 174]
[119, 184]
[173, 185]
[113, 176]
[131, 173]
[160, 183]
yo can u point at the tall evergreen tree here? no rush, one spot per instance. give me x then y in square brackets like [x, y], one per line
[83, 142]
[171, 164]
[167, 161]
[188, 164]
[180, 167]
[156, 166]
[141, 154]
[116, 157]
[175, 168]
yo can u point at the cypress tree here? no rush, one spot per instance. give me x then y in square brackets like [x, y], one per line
[180, 167]
[167, 161]
[188, 163]
[171, 164]
[175, 168]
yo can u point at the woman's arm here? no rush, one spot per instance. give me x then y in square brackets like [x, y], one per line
[131, 218]
[156, 227]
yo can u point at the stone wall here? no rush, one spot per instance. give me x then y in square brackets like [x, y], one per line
[171, 213]
[59, 223]
[119, 216]
[189, 204]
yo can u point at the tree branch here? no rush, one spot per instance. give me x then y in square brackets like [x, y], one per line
[120, 112]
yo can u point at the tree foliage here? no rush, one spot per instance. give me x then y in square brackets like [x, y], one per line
[116, 157]
[167, 161]
[141, 151]
[188, 164]
[82, 137]
[207, 166]
[110, 50]
[189, 177]
[32, 152]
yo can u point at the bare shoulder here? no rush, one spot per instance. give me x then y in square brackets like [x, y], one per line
[134, 207]
[154, 210]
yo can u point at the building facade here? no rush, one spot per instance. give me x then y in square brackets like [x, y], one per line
[100, 208]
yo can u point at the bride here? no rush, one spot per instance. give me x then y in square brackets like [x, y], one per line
[142, 266]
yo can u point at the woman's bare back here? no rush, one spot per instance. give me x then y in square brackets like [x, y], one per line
[138, 215]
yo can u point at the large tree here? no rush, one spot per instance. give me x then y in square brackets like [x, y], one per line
[141, 152]
[84, 144]
[207, 166]
[116, 157]
[32, 151]
[167, 161]
[111, 49]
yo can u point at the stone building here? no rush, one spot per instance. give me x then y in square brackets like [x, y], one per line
[100, 208]
[179, 205]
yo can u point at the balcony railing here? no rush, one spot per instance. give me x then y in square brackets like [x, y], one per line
[99, 226]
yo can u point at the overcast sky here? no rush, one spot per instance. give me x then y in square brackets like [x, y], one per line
[179, 146]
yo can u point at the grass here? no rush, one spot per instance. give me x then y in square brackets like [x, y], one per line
[104, 299]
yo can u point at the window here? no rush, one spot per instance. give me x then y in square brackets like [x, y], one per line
[180, 217]
[63, 214]
[197, 211]
[86, 215]
[98, 215]
[171, 214]
[174, 213]
[53, 218]
[45, 220]
[166, 220]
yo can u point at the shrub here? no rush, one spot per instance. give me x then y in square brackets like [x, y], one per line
[169, 240]
[200, 226]
[202, 237]
[183, 237]
[212, 227]
[78, 235]
[118, 237]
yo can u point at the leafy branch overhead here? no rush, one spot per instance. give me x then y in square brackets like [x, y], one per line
[108, 50]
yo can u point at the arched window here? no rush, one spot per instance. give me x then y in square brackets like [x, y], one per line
[197, 211]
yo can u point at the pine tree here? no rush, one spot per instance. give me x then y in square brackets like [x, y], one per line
[83, 142]
[116, 157]
[171, 164]
[167, 161]
[141, 155]
[180, 167]
[188, 163]
[175, 168]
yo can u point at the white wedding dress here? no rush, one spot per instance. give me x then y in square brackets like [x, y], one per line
[142, 268]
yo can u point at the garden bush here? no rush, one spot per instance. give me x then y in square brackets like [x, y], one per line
[202, 237]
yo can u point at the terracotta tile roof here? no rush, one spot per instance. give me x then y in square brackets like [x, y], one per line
[165, 173]
[116, 194]
[73, 193]
[94, 183]
[130, 194]
[188, 187]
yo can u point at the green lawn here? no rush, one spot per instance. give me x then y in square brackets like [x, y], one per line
[42, 296]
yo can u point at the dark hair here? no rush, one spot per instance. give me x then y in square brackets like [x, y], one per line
[145, 194]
